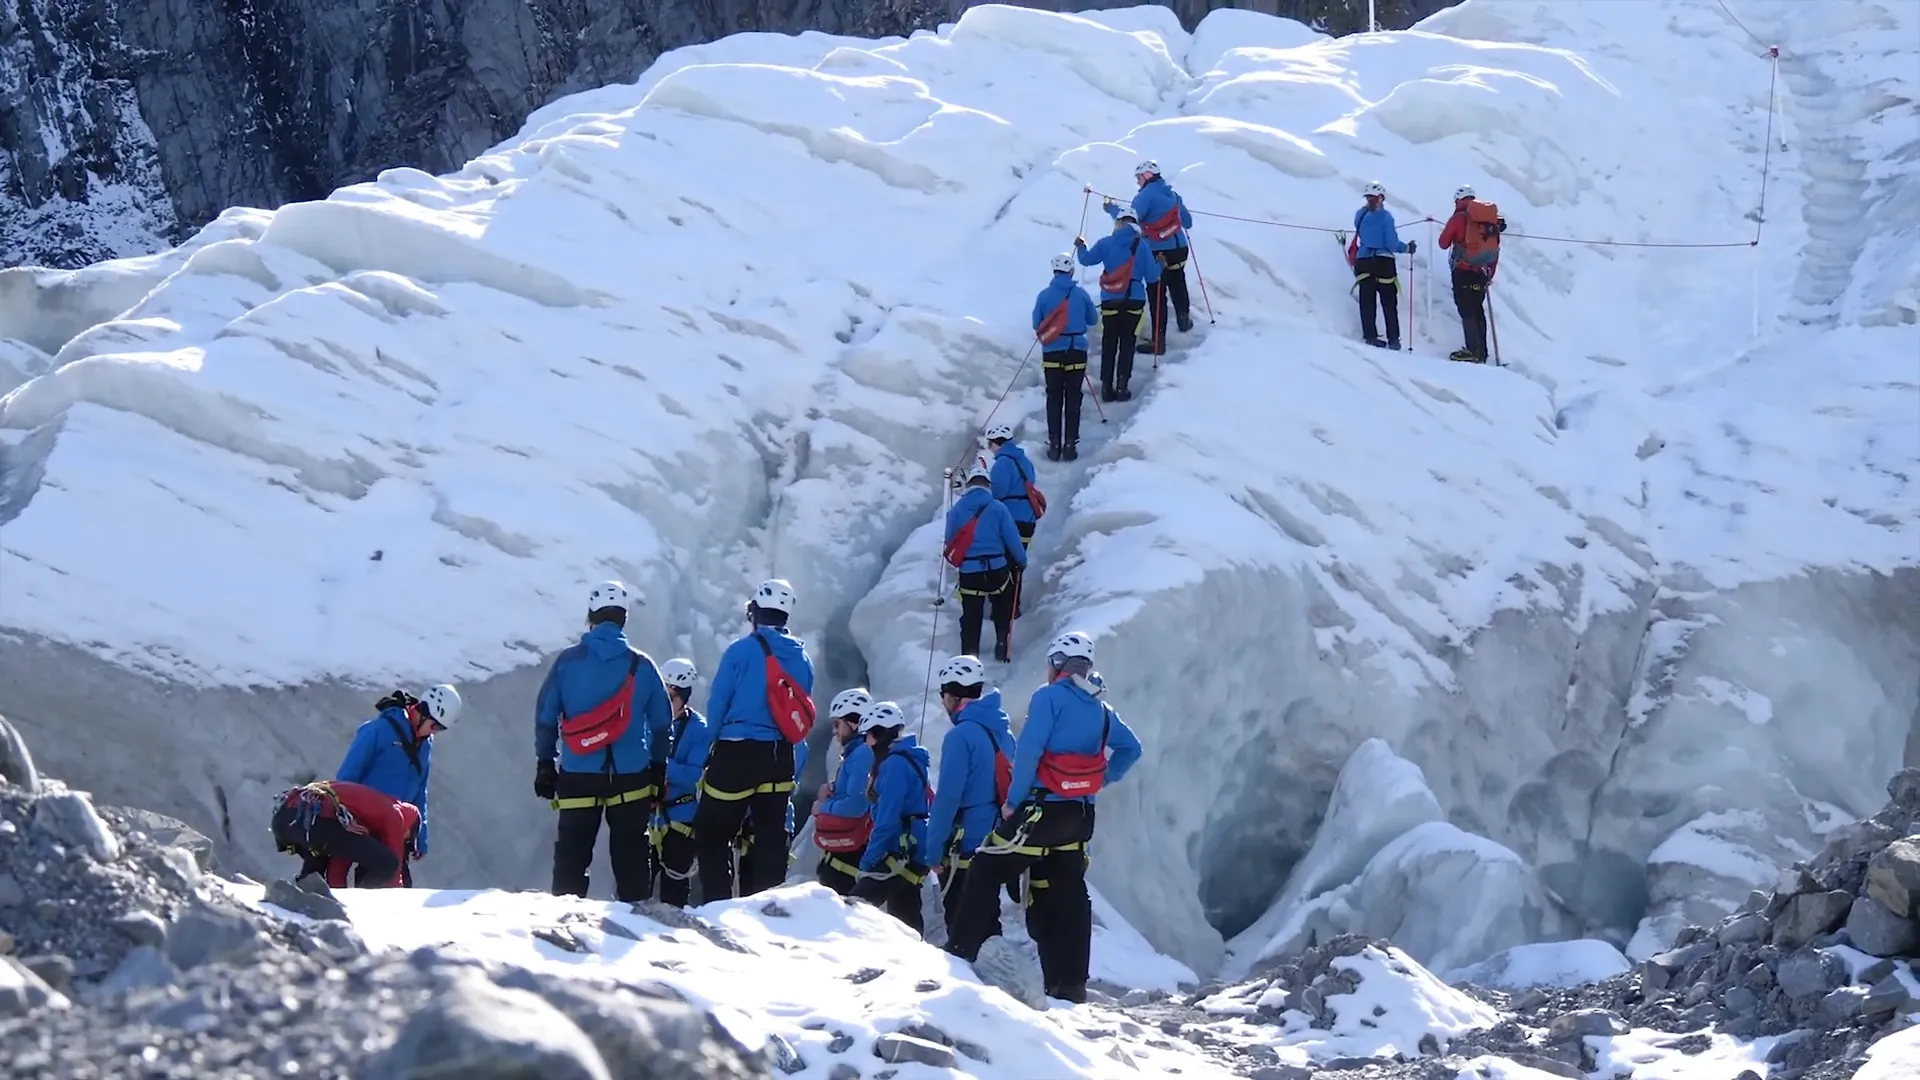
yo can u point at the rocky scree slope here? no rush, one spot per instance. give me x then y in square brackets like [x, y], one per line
[124, 127]
[120, 958]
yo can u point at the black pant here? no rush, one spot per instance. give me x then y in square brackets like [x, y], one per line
[1378, 276]
[1064, 372]
[1119, 321]
[374, 863]
[1172, 283]
[1025, 529]
[1470, 297]
[676, 867]
[1065, 932]
[629, 848]
[835, 876]
[900, 898]
[976, 591]
[1045, 908]
[743, 777]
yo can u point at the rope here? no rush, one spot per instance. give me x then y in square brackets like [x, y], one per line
[1757, 39]
[1766, 165]
[933, 639]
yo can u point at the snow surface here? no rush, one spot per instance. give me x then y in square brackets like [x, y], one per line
[1896, 1057]
[731, 321]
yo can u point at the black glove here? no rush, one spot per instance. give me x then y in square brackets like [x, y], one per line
[1413, 246]
[544, 777]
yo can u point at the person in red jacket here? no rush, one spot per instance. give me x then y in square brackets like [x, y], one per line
[1472, 240]
[334, 825]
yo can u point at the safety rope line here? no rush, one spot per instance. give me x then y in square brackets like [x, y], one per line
[1766, 165]
[1757, 39]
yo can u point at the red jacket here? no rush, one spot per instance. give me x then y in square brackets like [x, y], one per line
[384, 818]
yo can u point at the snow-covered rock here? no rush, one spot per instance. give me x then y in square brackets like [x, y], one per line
[732, 321]
[1548, 963]
[1693, 874]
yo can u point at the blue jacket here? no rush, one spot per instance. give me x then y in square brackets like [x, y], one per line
[1110, 251]
[995, 540]
[1011, 471]
[1081, 313]
[378, 759]
[1377, 232]
[849, 798]
[899, 805]
[691, 738]
[965, 800]
[1062, 716]
[583, 677]
[737, 698]
[1155, 199]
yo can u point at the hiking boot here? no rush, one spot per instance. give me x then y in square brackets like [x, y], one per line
[1376, 342]
[1002, 653]
[1394, 345]
[1123, 394]
[1073, 992]
[1185, 323]
[1466, 356]
[1070, 452]
[1106, 393]
[1053, 451]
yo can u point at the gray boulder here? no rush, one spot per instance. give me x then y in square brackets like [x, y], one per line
[895, 1048]
[1893, 877]
[1014, 967]
[69, 818]
[1810, 973]
[314, 905]
[143, 968]
[1582, 1023]
[1874, 929]
[1809, 915]
[16, 765]
[644, 1033]
[170, 832]
[475, 1030]
[204, 934]
[22, 991]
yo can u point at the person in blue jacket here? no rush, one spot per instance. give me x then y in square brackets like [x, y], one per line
[393, 753]
[688, 740]
[966, 802]
[1127, 267]
[843, 800]
[753, 765]
[897, 856]
[1164, 219]
[1063, 360]
[1011, 472]
[1073, 745]
[1376, 275]
[618, 775]
[986, 573]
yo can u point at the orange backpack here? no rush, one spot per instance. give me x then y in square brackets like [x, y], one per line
[1118, 279]
[1479, 245]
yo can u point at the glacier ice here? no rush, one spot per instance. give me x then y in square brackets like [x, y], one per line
[733, 319]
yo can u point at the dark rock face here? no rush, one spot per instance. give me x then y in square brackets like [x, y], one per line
[125, 126]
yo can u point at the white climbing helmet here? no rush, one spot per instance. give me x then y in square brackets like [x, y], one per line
[882, 714]
[852, 702]
[1464, 191]
[1145, 169]
[1063, 264]
[964, 671]
[1126, 214]
[679, 672]
[1071, 643]
[442, 704]
[775, 595]
[979, 471]
[1374, 187]
[609, 594]
[998, 430]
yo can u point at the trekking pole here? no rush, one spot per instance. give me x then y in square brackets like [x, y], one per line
[1096, 397]
[1427, 317]
[1085, 201]
[1194, 258]
[1493, 327]
[1413, 328]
